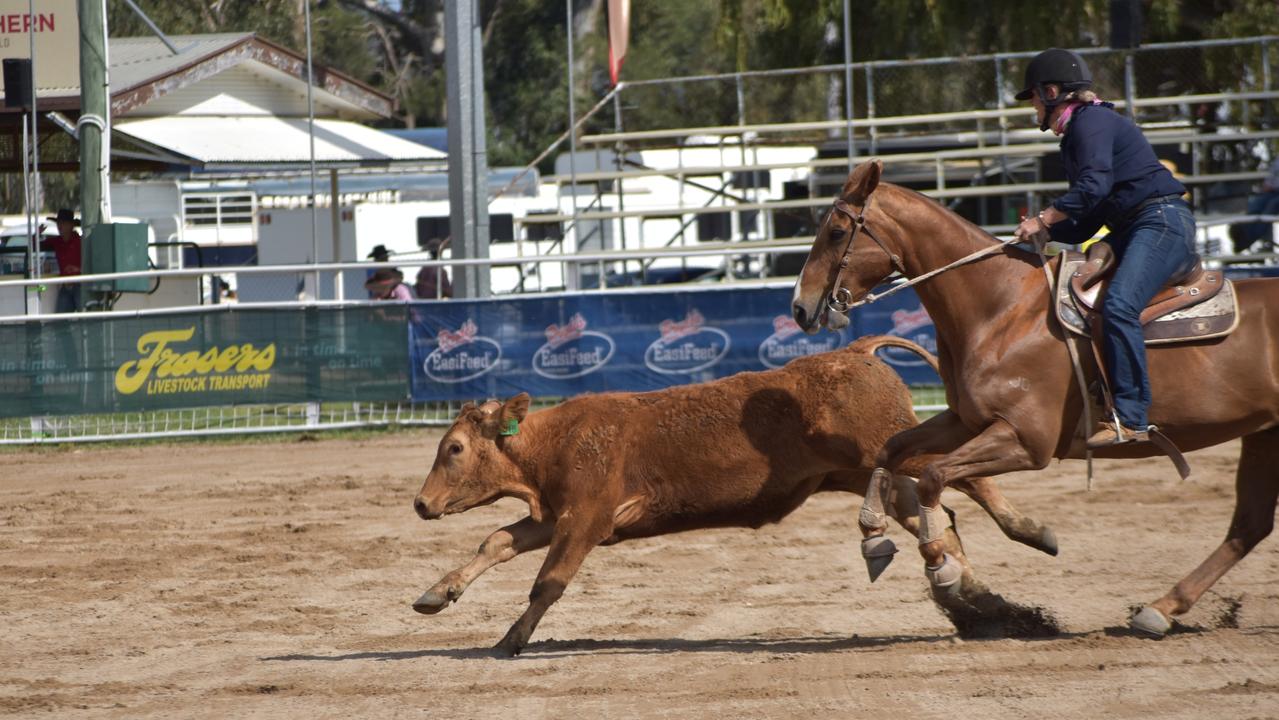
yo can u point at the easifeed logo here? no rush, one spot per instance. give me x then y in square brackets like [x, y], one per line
[788, 342]
[462, 355]
[686, 346]
[572, 351]
[912, 325]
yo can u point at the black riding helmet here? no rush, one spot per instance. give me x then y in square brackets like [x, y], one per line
[1056, 67]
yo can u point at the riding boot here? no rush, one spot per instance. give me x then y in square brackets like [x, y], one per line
[1108, 434]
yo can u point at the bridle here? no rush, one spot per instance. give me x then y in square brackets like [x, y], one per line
[840, 299]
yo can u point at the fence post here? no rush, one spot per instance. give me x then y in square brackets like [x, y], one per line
[870, 108]
[1130, 82]
[312, 414]
[1265, 82]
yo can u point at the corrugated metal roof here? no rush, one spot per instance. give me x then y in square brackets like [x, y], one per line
[138, 60]
[266, 141]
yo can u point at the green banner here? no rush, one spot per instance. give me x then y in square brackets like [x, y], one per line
[240, 356]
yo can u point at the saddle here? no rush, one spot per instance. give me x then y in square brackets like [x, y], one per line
[1198, 305]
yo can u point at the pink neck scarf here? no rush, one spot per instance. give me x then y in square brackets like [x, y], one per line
[1064, 119]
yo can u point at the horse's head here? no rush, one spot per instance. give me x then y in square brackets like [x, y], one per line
[847, 259]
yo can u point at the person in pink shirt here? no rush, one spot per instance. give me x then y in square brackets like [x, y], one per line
[388, 284]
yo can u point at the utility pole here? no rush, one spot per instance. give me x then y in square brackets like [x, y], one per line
[468, 154]
[95, 114]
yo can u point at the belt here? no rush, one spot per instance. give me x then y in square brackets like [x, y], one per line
[1126, 218]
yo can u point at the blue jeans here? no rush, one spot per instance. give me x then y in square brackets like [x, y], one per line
[1266, 203]
[68, 298]
[1158, 244]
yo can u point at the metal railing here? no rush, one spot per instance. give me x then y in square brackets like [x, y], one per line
[968, 99]
[226, 420]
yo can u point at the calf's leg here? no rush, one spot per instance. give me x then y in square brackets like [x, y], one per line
[574, 537]
[1016, 526]
[504, 544]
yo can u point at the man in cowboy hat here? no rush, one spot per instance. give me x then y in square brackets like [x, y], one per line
[379, 254]
[66, 247]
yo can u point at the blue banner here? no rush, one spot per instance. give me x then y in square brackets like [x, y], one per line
[569, 344]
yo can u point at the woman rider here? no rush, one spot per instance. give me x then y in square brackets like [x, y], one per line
[1115, 180]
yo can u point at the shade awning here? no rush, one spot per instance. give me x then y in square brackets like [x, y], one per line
[272, 143]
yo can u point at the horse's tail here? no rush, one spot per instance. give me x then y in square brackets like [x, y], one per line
[872, 343]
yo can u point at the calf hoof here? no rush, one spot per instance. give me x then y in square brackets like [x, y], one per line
[1047, 542]
[1149, 622]
[878, 552]
[433, 601]
[946, 576]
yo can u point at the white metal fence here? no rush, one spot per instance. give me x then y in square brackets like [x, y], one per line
[1214, 101]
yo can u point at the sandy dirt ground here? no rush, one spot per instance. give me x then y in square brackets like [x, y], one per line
[275, 580]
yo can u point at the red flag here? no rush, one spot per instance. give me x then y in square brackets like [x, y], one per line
[619, 26]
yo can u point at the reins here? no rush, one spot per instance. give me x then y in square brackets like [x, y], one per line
[840, 300]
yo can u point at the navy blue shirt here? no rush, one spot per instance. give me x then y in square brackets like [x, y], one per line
[1111, 168]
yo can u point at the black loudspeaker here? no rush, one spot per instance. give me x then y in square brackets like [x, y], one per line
[1125, 24]
[17, 82]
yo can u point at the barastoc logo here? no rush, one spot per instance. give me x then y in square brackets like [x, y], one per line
[913, 325]
[788, 342]
[462, 355]
[162, 371]
[572, 351]
[686, 346]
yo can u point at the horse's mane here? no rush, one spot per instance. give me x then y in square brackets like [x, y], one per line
[971, 227]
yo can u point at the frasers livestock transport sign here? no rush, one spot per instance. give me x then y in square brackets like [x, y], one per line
[55, 28]
[162, 370]
[564, 345]
[244, 356]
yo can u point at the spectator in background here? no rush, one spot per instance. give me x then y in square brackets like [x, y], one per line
[66, 246]
[433, 281]
[379, 254]
[1244, 235]
[388, 284]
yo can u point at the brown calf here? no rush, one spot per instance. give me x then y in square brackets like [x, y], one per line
[742, 451]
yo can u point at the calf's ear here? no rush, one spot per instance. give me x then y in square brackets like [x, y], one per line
[516, 408]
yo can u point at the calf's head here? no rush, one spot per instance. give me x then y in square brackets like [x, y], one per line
[472, 467]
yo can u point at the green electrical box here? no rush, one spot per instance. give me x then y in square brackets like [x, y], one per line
[117, 247]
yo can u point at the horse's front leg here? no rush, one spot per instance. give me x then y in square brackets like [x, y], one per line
[940, 433]
[994, 450]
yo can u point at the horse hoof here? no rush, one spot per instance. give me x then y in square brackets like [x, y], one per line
[945, 576]
[1149, 622]
[431, 602]
[878, 552]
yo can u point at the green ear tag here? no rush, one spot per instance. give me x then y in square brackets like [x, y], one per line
[512, 427]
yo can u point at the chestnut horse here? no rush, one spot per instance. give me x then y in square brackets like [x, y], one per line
[1013, 400]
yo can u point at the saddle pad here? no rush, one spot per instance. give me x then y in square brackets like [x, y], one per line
[1216, 317]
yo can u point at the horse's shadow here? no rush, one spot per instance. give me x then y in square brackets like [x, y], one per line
[654, 646]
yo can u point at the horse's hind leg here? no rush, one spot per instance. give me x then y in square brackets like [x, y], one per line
[1256, 490]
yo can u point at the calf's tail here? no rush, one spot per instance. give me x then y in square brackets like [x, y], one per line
[872, 343]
